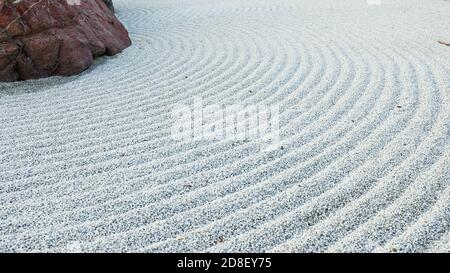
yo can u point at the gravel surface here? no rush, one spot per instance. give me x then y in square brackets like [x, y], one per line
[87, 163]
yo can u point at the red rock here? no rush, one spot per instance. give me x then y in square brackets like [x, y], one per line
[109, 4]
[41, 38]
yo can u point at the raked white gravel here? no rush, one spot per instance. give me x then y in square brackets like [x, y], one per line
[87, 163]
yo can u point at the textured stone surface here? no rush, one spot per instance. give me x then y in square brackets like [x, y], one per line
[41, 38]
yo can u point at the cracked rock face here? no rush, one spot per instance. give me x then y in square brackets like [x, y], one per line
[41, 38]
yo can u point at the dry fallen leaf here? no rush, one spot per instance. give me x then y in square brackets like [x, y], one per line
[444, 43]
